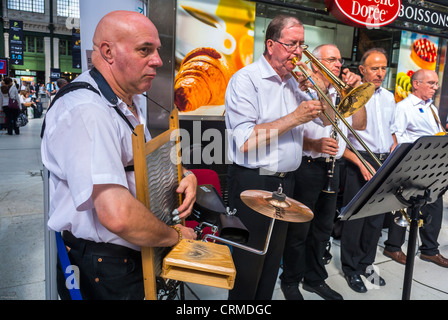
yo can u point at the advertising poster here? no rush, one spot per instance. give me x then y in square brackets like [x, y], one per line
[16, 42]
[417, 51]
[214, 39]
[3, 66]
[76, 48]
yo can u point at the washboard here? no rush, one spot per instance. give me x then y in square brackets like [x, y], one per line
[157, 174]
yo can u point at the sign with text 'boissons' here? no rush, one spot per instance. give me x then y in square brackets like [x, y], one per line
[364, 13]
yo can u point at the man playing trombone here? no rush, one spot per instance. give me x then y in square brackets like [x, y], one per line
[265, 107]
[316, 185]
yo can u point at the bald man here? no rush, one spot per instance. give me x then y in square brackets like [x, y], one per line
[414, 117]
[87, 147]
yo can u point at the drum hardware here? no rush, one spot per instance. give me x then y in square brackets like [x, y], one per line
[207, 262]
[358, 96]
[275, 205]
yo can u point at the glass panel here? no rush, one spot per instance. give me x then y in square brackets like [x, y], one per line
[68, 8]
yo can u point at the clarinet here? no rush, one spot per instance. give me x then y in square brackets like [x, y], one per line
[331, 160]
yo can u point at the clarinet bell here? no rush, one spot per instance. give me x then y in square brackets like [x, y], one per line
[328, 188]
[329, 185]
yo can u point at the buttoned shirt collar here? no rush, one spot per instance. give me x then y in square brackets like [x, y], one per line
[416, 100]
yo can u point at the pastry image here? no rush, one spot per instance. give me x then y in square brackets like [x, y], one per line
[424, 54]
[202, 79]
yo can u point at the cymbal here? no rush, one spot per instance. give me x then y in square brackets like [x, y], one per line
[287, 210]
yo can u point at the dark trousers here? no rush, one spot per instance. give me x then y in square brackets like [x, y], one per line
[306, 242]
[106, 271]
[11, 119]
[359, 237]
[256, 275]
[429, 233]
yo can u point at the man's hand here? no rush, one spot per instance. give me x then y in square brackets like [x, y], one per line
[307, 111]
[305, 83]
[187, 187]
[187, 233]
[365, 172]
[327, 145]
[351, 79]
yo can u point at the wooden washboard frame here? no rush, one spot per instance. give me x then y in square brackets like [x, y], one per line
[168, 140]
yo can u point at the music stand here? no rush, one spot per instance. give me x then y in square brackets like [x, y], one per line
[413, 175]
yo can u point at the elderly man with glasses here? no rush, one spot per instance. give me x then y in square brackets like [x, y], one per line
[417, 116]
[265, 111]
[303, 258]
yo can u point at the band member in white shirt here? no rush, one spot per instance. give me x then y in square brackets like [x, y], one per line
[417, 116]
[359, 237]
[265, 109]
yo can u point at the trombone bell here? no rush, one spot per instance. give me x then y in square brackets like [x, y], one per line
[352, 99]
[356, 99]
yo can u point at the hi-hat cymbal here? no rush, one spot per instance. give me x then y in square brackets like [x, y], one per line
[287, 210]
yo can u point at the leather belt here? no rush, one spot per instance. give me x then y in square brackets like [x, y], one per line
[266, 172]
[280, 174]
[380, 156]
[319, 159]
[97, 248]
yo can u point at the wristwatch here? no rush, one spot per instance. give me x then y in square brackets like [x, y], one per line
[187, 173]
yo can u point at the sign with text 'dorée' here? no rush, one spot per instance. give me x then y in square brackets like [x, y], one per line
[364, 13]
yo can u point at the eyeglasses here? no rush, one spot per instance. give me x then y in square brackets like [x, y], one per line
[290, 47]
[333, 60]
[431, 84]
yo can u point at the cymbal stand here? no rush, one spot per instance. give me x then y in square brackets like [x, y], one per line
[241, 246]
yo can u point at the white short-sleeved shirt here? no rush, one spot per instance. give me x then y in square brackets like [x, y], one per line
[256, 94]
[378, 133]
[414, 119]
[85, 143]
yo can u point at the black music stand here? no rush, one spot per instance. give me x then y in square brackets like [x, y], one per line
[413, 175]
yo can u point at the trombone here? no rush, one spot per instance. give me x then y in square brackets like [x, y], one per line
[352, 99]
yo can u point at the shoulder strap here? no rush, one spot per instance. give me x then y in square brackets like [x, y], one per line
[109, 94]
[436, 118]
[66, 89]
[105, 89]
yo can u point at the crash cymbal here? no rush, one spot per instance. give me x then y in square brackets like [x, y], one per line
[273, 206]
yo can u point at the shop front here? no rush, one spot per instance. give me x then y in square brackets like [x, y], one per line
[413, 33]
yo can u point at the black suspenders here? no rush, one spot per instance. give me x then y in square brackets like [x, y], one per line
[105, 89]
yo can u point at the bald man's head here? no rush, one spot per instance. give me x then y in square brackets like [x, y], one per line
[118, 26]
[424, 83]
[125, 51]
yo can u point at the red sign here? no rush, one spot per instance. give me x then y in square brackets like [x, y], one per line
[3, 66]
[365, 13]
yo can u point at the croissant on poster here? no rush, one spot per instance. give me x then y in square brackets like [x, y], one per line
[202, 79]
